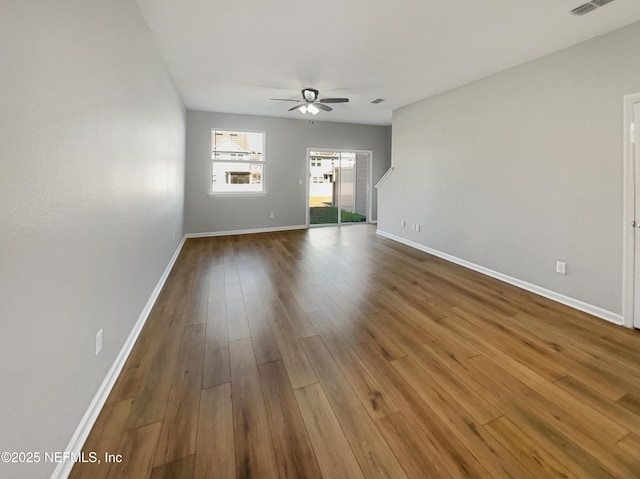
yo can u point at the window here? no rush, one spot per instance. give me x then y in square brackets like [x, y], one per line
[238, 162]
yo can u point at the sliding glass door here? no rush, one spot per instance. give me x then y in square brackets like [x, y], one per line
[338, 186]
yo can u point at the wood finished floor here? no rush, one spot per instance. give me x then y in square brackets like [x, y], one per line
[335, 353]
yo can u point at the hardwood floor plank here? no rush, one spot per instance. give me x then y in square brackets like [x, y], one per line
[477, 406]
[260, 318]
[215, 449]
[455, 347]
[217, 291]
[238, 326]
[530, 454]
[216, 351]
[470, 287]
[578, 430]
[137, 448]
[575, 413]
[542, 431]
[293, 451]
[335, 457]
[230, 266]
[104, 437]
[414, 290]
[553, 395]
[374, 456]
[631, 445]
[588, 396]
[178, 469]
[151, 402]
[570, 454]
[444, 447]
[388, 345]
[180, 425]
[182, 290]
[304, 296]
[298, 367]
[292, 312]
[352, 333]
[498, 461]
[409, 321]
[197, 309]
[136, 368]
[580, 365]
[582, 355]
[371, 394]
[409, 443]
[631, 402]
[522, 350]
[254, 452]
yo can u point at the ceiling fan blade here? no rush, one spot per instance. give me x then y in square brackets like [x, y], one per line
[295, 107]
[323, 107]
[284, 99]
[334, 100]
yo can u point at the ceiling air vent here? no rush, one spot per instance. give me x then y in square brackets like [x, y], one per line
[589, 7]
[380, 100]
[582, 9]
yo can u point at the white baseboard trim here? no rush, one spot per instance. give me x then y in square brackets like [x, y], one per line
[246, 232]
[560, 298]
[81, 433]
[374, 222]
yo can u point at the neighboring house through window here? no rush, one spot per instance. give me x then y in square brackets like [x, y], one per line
[238, 162]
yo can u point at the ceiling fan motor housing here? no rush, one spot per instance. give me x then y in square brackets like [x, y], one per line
[310, 94]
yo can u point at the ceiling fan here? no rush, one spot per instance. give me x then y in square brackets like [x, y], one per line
[310, 102]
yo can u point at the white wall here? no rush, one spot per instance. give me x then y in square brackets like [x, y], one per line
[91, 191]
[286, 149]
[523, 168]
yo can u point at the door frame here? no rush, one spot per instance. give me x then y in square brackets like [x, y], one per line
[339, 150]
[629, 213]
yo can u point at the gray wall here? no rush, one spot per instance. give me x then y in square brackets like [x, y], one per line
[91, 192]
[523, 168]
[286, 148]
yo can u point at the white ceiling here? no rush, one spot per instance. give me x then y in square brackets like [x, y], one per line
[234, 55]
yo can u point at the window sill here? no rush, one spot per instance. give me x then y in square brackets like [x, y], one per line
[237, 194]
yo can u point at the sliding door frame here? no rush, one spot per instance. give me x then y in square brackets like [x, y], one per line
[340, 150]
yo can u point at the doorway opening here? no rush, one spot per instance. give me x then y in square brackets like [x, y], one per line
[631, 219]
[339, 186]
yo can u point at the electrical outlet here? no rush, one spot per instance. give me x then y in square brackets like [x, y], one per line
[561, 267]
[99, 341]
[417, 227]
[413, 226]
[299, 182]
[271, 214]
[403, 223]
[174, 236]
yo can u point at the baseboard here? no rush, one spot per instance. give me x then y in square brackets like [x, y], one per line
[246, 232]
[81, 433]
[560, 298]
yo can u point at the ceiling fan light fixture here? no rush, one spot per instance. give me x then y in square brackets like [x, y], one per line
[311, 108]
[303, 109]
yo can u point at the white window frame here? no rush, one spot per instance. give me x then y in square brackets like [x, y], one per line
[213, 160]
